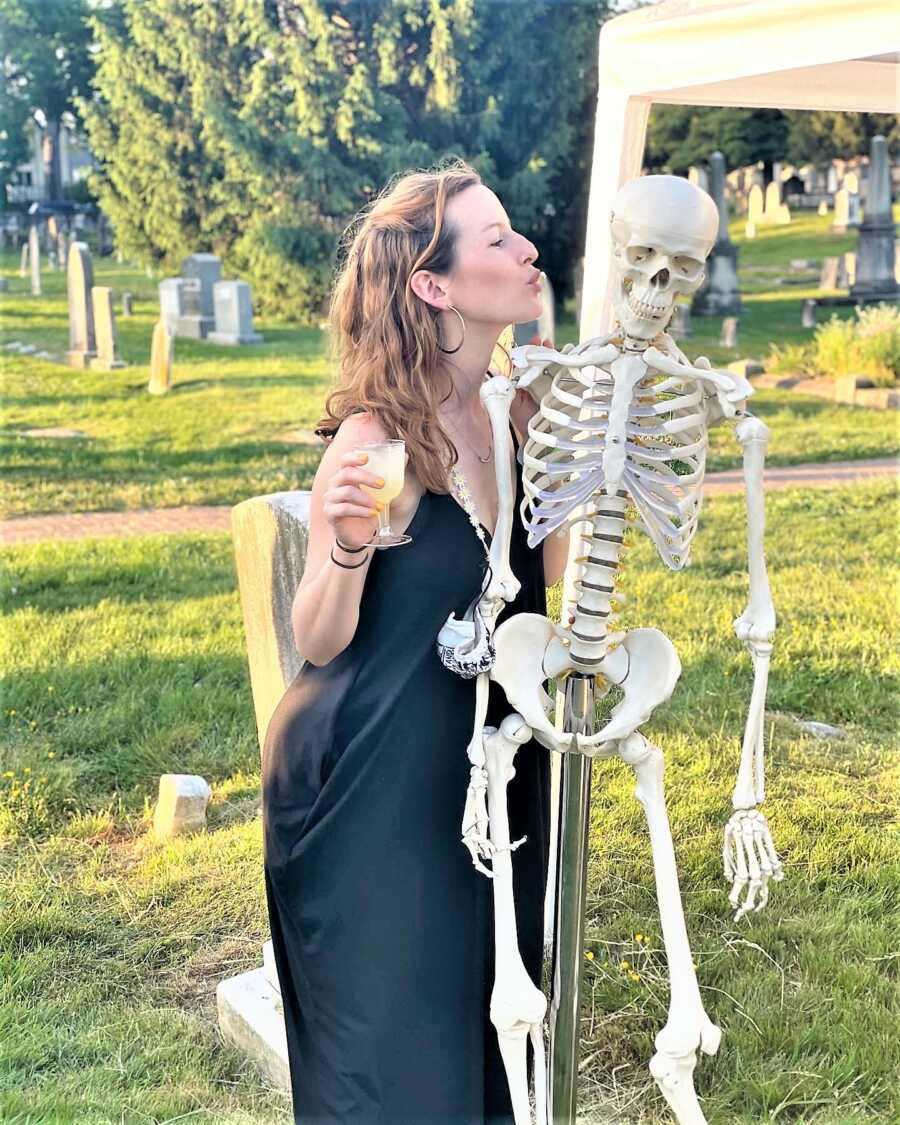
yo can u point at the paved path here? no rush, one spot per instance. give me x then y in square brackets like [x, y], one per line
[149, 521]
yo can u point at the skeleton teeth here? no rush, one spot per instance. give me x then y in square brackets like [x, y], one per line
[645, 308]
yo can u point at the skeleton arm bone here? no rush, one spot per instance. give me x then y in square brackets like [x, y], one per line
[749, 855]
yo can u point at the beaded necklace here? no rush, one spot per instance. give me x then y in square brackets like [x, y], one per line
[465, 496]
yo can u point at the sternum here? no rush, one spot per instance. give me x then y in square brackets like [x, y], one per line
[596, 584]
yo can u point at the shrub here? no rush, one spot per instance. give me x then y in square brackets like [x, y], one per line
[868, 345]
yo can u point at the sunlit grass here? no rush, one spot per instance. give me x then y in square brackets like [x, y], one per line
[112, 944]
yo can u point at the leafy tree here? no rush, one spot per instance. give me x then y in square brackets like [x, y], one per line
[818, 136]
[46, 65]
[681, 135]
[257, 130]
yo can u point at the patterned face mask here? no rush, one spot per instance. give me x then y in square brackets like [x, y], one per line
[465, 645]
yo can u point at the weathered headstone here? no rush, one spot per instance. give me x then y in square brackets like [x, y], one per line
[79, 282]
[729, 336]
[828, 278]
[181, 806]
[62, 251]
[579, 286]
[698, 177]
[808, 317]
[171, 301]
[754, 210]
[719, 294]
[161, 349]
[106, 358]
[234, 314]
[875, 271]
[199, 316]
[841, 211]
[680, 324]
[544, 326]
[127, 299]
[34, 260]
[823, 207]
[23, 260]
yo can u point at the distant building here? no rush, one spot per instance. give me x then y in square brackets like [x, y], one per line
[28, 182]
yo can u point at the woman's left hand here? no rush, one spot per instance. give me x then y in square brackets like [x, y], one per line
[524, 406]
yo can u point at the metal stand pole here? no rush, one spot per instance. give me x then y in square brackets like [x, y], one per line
[571, 890]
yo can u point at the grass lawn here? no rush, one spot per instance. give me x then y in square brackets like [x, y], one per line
[219, 436]
[125, 659]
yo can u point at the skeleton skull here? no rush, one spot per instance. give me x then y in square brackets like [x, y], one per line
[662, 228]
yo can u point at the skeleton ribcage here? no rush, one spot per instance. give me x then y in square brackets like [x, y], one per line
[665, 442]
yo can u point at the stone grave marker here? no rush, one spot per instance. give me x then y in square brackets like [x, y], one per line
[171, 301]
[161, 354]
[127, 299]
[234, 314]
[729, 336]
[199, 317]
[828, 278]
[34, 260]
[23, 260]
[106, 358]
[875, 263]
[79, 282]
[719, 292]
[808, 315]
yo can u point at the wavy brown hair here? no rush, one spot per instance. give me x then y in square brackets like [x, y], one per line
[383, 337]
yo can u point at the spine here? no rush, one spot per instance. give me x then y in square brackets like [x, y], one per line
[595, 588]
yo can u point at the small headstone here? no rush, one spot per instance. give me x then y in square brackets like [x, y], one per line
[799, 263]
[828, 278]
[728, 338]
[680, 324]
[823, 207]
[773, 200]
[849, 267]
[841, 211]
[127, 299]
[181, 806]
[52, 228]
[199, 317]
[808, 316]
[875, 256]
[754, 210]
[821, 730]
[161, 350]
[23, 261]
[698, 177]
[234, 314]
[171, 301]
[34, 260]
[544, 325]
[106, 358]
[62, 249]
[79, 282]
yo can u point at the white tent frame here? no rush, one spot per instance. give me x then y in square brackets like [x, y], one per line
[784, 54]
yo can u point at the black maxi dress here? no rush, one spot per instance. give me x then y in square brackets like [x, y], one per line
[382, 928]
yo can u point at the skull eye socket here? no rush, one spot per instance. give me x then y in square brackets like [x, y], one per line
[637, 254]
[686, 266]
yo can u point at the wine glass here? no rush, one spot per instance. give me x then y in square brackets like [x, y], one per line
[388, 460]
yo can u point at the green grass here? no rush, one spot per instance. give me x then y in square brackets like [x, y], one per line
[125, 659]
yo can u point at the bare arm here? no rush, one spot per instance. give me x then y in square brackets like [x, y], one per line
[325, 610]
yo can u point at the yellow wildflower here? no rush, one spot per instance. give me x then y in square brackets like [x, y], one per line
[589, 955]
[625, 966]
[634, 976]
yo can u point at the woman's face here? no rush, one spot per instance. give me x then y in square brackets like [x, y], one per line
[494, 263]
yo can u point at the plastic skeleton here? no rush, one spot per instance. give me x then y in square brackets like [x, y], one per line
[616, 415]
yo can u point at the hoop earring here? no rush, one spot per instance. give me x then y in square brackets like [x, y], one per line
[450, 351]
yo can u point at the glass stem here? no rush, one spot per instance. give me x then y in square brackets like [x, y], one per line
[384, 519]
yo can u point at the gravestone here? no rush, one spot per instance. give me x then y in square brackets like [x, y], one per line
[754, 210]
[79, 282]
[828, 278]
[698, 177]
[579, 286]
[680, 324]
[823, 207]
[23, 260]
[729, 336]
[34, 260]
[127, 299]
[719, 294]
[808, 316]
[172, 302]
[198, 316]
[106, 358]
[846, 270]
[234, 314]
[831, 180]
[62, 249]
[544, 325]
[875, 267]
[161, 353]
[841, 211]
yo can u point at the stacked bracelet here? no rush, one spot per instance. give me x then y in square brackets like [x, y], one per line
[350, 551]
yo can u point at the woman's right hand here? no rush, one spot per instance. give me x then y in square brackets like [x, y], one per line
[351, 512]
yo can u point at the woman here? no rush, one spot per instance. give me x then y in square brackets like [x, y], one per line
[381, 927]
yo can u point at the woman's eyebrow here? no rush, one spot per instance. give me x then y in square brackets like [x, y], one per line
[495, 223]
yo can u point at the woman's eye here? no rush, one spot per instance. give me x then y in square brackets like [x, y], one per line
[497, 243]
